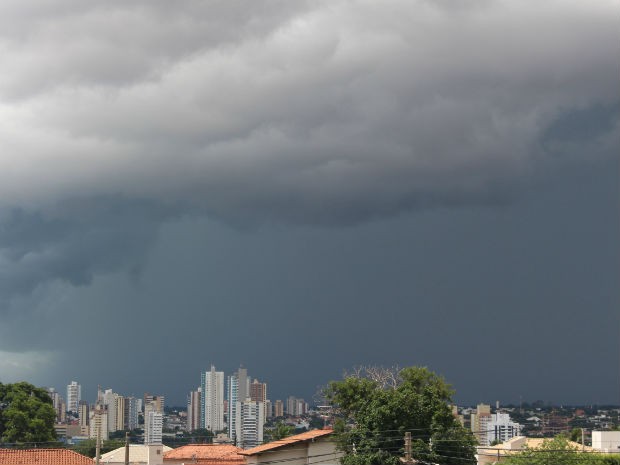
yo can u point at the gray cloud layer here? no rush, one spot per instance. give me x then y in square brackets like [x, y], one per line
[302, 113]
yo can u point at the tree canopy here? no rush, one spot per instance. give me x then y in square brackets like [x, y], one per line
[26, 414]
[378, 406]
[560, 451]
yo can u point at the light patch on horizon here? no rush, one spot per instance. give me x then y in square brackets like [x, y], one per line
[34, 366]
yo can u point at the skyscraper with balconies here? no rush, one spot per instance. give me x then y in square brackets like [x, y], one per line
[74, 395]
[212, 400]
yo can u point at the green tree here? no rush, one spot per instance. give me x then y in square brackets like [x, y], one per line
[280, 431]
[377, 406]
[556, 451]
[575, 435]
[26, 414]
[88, 447]
[197, 436]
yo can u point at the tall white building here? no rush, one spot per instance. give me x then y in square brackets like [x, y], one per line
[233, 399]
[153, 425]
[250, 423]
[110, 400]
[74, 395]
[212, 400]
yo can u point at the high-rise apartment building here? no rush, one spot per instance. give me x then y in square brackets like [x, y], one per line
[501, 428]
[295, 406]
[232, 400]
[243, 382]
[60, 407]
[153, 425]
[74, 395]
[212, 400]
[268, 409]
[110, 400]
[278, 408]
[193, 410]
[250, 423]
[99, 422]
[120, 413]
[258, 391]
[157, 401]
[480, 422]
[130, 413]
[83, 413]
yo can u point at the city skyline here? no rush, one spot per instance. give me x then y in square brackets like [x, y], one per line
[305, 187]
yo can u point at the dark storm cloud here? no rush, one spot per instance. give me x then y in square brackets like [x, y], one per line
[120, 117]
[73, 241]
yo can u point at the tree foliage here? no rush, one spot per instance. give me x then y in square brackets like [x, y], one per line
[26, 414]
[280, 431]
[560, 451]
[88, 447]
[377, 406]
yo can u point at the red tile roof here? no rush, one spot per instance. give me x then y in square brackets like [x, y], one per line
[43, 457]
[307, 436]
[207, 453]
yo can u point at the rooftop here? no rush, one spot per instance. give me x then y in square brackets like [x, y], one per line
[43, 457]
[307, 436]
[206, 453]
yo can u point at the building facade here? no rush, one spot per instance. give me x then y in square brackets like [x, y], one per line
[193, 409]
[258, 391]
[233, 400]
[74, 395]
[278, 408]
[480, 423]
[153, 426]
[250, 423]
[212, 401]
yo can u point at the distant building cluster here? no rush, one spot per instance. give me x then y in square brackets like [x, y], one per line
[236, 404]
[492, 428]
[111, 412]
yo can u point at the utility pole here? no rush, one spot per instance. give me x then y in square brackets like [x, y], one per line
[583, 442]
[126, 447]
[98, 447]
[408, 446]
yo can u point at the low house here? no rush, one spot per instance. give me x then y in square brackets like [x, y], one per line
[139, 454]
[204, 454]
[43, 457]
[495, 454]
[316, 446]
[606, 441]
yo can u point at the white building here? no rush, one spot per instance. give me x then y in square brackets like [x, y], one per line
[501, 428]
[153, 425]
[138, 455]
[74, 395]
[212, 401]
[249, 424]
[99, 422]
[606, 441]
[233, 400]
[110, 400]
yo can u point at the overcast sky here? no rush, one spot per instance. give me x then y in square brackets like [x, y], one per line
[302, 187]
